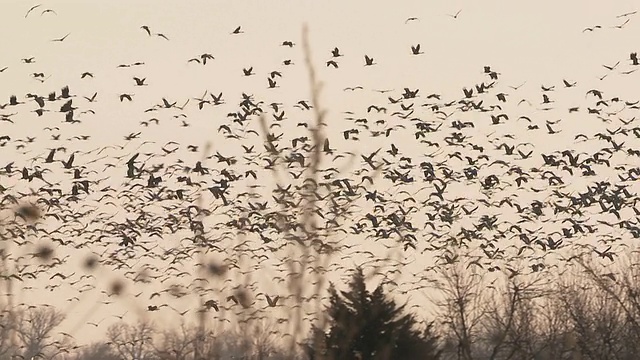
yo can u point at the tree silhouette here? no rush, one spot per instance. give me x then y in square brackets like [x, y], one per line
[97, 351]
[132, 341]
[369, 325]
[33, 328]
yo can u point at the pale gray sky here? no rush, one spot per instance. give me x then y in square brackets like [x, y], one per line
[536, 43]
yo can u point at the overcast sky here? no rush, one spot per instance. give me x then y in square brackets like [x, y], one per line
[535, 43]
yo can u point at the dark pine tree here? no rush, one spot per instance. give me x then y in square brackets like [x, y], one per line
[369, 325]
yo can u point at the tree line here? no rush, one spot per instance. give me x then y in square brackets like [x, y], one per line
[586, 313]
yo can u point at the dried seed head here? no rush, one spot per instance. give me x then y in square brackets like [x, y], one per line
[116, 287]
[44, 252]
[243, 297]
[28, 212]
[215, 269]
[91, 262]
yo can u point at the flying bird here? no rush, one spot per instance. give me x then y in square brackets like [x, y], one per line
[608, 67]
[140, 82]
[455, 16]
[272, 302]
[368, 61]
[332, 63]
[626, 14]
[592, 28]
[62, 38]
[31, 9]
[621, 25]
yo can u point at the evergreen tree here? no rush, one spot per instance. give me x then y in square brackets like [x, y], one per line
[368, 325]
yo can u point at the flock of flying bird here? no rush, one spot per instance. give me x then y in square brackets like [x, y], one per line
[426, 184]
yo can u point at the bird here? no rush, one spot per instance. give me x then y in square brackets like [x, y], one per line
[49, 158]
[121, 317]
[592, 28]
[69, 163]
[415, 50]
[40, 77]
[92, 98]
[31, 9]
[139, 81]
[332, 63]
[238, 30]
[368, 61]
[605, 253]
[626, 14]
[620, 26]
[455, 16]
[595, 92]
[211, 304]
[272, 302]
[518, 87]
[94, 324]
[248, 72]
[62, 38]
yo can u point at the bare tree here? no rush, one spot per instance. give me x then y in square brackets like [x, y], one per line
[263, 342]
[33, 328]
[176, 344]
[6, 329]
[132, 341]
[545, 331]
[461, 309]
[97, 351]
[225, 345]
[514, 318]
[510, 329]
[602, 313]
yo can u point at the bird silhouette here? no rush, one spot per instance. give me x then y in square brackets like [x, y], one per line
[62, 38]
[368, 61]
